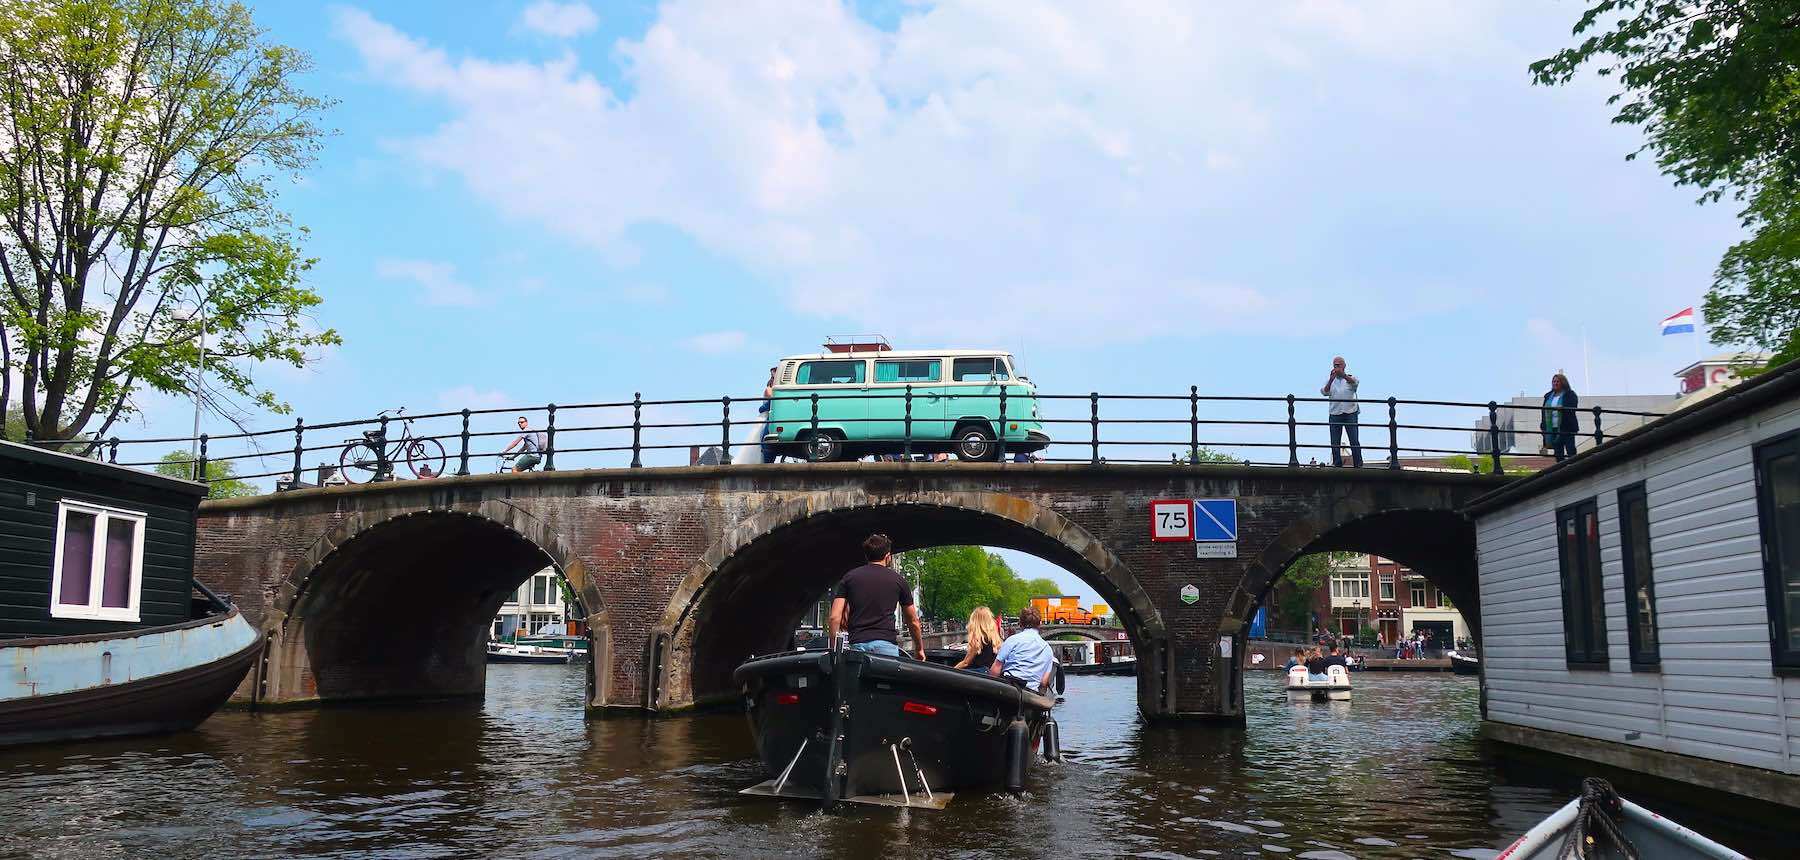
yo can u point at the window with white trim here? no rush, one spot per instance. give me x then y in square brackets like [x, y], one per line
[1417, 595]
[1350, 585]
[1387, 587]
[99, 564]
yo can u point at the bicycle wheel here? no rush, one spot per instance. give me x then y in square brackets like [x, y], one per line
[359, 463]
[423, 453]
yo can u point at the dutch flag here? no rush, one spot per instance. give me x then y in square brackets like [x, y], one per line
[1682, 321]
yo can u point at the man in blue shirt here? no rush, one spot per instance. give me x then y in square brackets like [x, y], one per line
[1024, 657]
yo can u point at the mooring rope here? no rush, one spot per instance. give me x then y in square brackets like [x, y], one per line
[1596, 824]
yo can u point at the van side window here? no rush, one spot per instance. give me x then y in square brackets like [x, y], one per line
[909, 370]
[830, 372]
[978, 370]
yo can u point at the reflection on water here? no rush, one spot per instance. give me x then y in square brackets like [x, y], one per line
[1397, 772]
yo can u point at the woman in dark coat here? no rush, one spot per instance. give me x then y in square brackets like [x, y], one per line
[1559, 420]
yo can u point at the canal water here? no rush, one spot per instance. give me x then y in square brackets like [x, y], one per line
[1399, 772]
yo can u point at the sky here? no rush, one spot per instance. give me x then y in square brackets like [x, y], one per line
[531, 202]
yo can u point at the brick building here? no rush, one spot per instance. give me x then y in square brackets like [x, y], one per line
[1394, 600]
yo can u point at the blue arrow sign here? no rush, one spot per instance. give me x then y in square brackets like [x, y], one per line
[1215, 520]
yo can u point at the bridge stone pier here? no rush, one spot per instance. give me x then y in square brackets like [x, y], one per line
[386, 591]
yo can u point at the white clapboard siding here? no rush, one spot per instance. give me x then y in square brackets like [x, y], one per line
[1715, 694]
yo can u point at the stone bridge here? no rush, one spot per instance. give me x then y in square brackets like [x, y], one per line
[386, 590]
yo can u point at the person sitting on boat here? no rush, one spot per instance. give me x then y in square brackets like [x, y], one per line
[1024, 657]
[1337, 657]
[1316, 666]
[984, 641]
[1298, 659]
[865, 599]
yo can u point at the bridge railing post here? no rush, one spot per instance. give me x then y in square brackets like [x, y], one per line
[906, 445]
[1494, 436]
[812, 440]
[725, 430]
[1094, 421]
[1193, 425]
[112, 454]
[637, 429]
[550, 440]
[463, 459]
[200, 462]
[1393, 434]
[1293, 435]
[1599, 433]
[299, 445]
[1000, 431]
[383, 470]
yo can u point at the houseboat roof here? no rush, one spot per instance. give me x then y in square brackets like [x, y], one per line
[82, 465]
[1772, 386]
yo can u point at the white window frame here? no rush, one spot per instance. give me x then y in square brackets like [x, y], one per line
[1387, 588]
[92, 610]
[1416, 595]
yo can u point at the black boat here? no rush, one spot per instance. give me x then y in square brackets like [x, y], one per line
[863, 728]
[1464, 664]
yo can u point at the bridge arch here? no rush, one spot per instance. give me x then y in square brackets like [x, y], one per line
[390, 604]
[747, 592]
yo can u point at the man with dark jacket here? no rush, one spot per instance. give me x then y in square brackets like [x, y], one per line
[1559, 419]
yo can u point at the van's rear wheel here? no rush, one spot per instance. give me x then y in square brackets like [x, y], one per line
[974, 442]
[824, 448]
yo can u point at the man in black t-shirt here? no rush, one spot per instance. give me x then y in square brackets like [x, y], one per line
[865, 600]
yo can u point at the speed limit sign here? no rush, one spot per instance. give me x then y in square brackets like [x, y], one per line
[1172, 519]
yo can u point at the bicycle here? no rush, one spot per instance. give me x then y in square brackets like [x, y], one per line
[362, 459]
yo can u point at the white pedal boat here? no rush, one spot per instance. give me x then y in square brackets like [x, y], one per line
[1335, 689]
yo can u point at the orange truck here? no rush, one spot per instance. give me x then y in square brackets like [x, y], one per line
[1066, 609]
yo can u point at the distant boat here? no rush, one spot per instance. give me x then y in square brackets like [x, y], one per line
[1092, 657]
[555, 635]
[1652, 836]
[504, 652]
[1463, 664]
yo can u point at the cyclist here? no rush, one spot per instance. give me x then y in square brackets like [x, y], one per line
[534, 441]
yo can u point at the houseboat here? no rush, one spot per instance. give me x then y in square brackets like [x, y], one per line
[1090, 657]
[103, 629]
[1640, 602]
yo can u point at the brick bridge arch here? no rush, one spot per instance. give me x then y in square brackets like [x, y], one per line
[329, 615]
[735, 601]
[738, 550]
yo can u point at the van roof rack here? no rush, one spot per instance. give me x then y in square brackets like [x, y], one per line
[855, 343]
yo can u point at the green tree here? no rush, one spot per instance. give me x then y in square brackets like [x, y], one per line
[1484, 465]
[953, 580]
[1715, 85]
[221, 478]
[1291, 597]
[1204, 454]
[140, 144]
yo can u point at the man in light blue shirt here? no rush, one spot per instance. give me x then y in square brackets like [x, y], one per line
[1024, 657]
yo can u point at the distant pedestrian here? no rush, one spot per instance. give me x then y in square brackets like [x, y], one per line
[1341, 387]
[534, 442]
[1559, 420]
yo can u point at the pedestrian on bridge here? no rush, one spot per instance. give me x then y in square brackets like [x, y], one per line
[1560, 422]
[1340, 387]
[535, 443]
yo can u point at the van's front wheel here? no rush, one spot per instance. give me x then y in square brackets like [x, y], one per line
[824, 448]
[974, 442]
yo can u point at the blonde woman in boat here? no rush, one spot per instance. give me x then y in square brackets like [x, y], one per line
[984, 640]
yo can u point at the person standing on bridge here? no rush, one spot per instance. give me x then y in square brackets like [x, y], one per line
[865, 600]
[535, 442]
[1559, 420]
[1340, 386]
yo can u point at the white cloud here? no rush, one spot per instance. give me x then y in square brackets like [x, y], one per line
[470, 397]
[561, 20]
[437, 281]
[992, 169]
[717, 342]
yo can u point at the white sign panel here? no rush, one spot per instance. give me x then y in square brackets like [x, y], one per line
[1220, 549]
[1190, 594]
[1172, 520]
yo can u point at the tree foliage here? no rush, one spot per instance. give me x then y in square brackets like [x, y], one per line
[953, 580]
[221, 478]
[1291, 597]
[1204, 454]
[140, 141]
[1715, 85]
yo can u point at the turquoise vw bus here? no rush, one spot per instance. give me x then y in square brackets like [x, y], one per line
[863, 408]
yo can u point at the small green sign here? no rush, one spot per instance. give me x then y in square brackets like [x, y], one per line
[1190, 594]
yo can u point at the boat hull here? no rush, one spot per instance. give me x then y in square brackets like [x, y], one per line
[529, 655]
[170, 701]
[1464, 665]
[1653, 836]
[870, 729]
[1116, 667]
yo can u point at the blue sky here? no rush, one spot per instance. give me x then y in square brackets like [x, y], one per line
[528, 202]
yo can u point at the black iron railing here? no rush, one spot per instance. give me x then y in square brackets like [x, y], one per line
[1091, 428]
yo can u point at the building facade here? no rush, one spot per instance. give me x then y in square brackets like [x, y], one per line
[1395, 601]
[1641, 603]
[537, 601]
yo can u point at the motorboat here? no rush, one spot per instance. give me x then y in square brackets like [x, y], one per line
[508, 652]
[1336, 687]
[1090, 657]
[555, 635]
[1464, 664]
[849, 726]
[1601, 815]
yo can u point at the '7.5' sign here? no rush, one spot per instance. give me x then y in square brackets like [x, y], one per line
[1172, 520]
